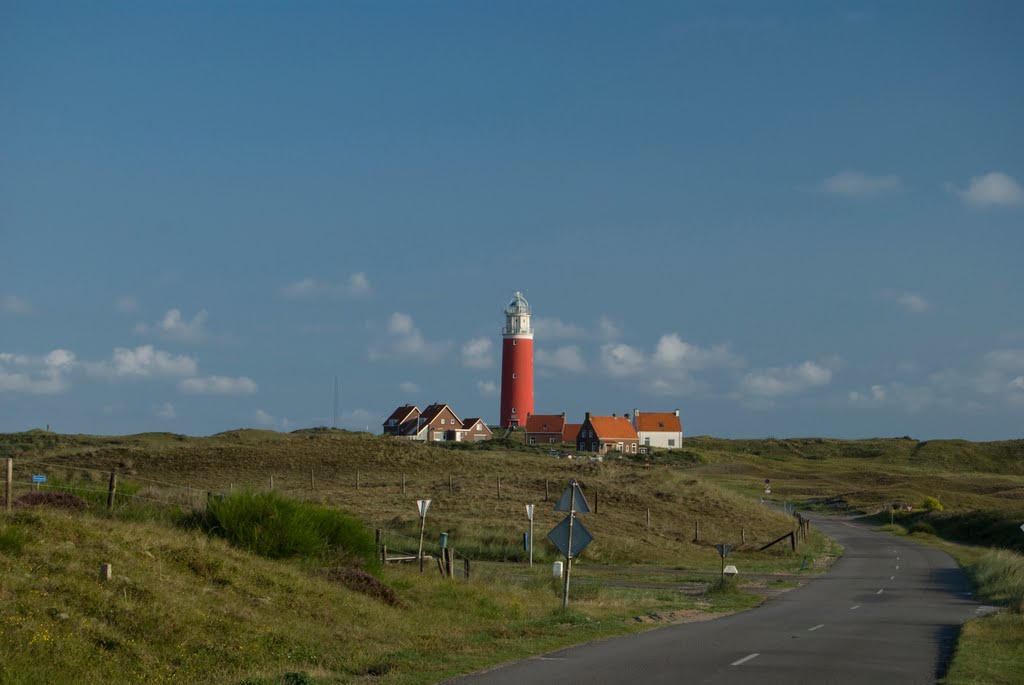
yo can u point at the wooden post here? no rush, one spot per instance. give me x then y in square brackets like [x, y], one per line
[357, 481]
[743, 535]
[648, 518]
[465, 566]
[449, 557]
[792, 540]
[499, 487]
[111, 490]
[440, 566]
[449, 485]
[312, 483]
[696, 531]
[383, 554]
[9, 486]
[545, 489]
[595, 501]
[106, 572]
[271, 481]
[377, 536]
[403, 483]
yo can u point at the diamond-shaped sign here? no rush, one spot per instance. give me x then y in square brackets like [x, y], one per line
[568, 502]
[581, 537]
[723, 550]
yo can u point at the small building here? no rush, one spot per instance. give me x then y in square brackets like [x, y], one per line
[402, 421]
[475, 429]
[544, 429]
[603, 434]
[658, 429]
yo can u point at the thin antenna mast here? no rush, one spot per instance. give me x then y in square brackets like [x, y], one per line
[335, 424]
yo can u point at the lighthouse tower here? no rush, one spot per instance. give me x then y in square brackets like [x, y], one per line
[516, 363]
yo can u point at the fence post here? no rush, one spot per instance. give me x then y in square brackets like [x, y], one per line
[466, 566]
[312, 483]
[595, 501]
[377, 536]
[271, 481]
[743, 535]
[447, 552]
[696, 531]
[111, 490]
[403, 483]
[383, 554]
[358, 474]
[545, 489]
[9, 487]
[499, 487]
[449, 486]
[648, 517]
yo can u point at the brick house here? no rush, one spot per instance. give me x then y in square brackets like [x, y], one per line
[475, 429]
[544, 429]
[437, 422]
[602, 434]
[658, 429]
[570, 432]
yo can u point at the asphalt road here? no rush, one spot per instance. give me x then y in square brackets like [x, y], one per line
[887, 612]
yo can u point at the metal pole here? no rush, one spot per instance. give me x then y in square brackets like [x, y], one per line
[419, 555]
[9, 488]
[568, 551]
[531, 542]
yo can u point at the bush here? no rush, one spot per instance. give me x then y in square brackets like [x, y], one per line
[275, 527]
[931, 504]
[59, 500]
[922, 527]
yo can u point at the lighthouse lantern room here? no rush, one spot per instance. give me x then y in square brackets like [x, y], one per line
[516, 363]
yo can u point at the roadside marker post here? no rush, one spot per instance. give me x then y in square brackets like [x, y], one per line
[529, 515]
[723, 551]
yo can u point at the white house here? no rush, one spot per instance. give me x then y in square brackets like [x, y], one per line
[658, 429]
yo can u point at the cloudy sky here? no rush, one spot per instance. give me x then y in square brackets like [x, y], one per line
[781, 218]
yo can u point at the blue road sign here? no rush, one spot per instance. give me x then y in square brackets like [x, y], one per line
[38, 478]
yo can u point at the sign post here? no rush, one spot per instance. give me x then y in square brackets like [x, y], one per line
[37, 479]
[422, 505]
[767, 486]
[529, 515]
[570, 537]
[723, 551]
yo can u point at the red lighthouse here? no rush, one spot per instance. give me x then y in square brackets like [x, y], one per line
[516, 363]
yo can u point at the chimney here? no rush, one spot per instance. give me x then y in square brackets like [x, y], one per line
[613, 415]
[563, 414]
[587, 416]
[636, 413]
[626, 416]
[677, 413]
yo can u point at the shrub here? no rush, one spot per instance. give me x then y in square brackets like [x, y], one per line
[931, 504]
[358, 580]
[59, 500]
[922, 527]
[275, 527]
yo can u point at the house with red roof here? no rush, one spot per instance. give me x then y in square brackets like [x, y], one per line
[570, 432]
[603, 434]
[658, 429]
[544, 429]
[438, 422]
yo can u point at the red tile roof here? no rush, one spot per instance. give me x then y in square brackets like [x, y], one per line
[432, 411]
[402, 413]
[658, 422]
[570, 432]
[613, 428]
[545, 423]
[469, 423]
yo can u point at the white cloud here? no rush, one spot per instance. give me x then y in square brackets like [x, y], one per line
[913, 302]
[126, 304]
[487, 388]
[787, 380]
[476, 353]
[403, 340]
[552, 328]
[144, 361]
[608, 328]
[1005, 360]
[173, 326]
[218, 385]
[857, 184]
[672, 352]
[567, 358]
[1017, 383]
[994, 189]
[357, 285]
[409, 388]
[46, 375]
[12, 304]
[264, 418]
[620, 360]
[912, 398]
[165, 411]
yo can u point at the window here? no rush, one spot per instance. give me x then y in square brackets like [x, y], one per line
[442, 422]
[513, 376]
[551, 440]
[533, 441]
[513, 410]
[634, 448]
[671, 442]
[619, 446]
[514, 342]
[647, 442]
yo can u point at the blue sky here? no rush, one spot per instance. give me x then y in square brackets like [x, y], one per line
[781, 218]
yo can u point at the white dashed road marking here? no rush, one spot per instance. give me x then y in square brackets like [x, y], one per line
[745, 659]
[821, 625]
[880, 591]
